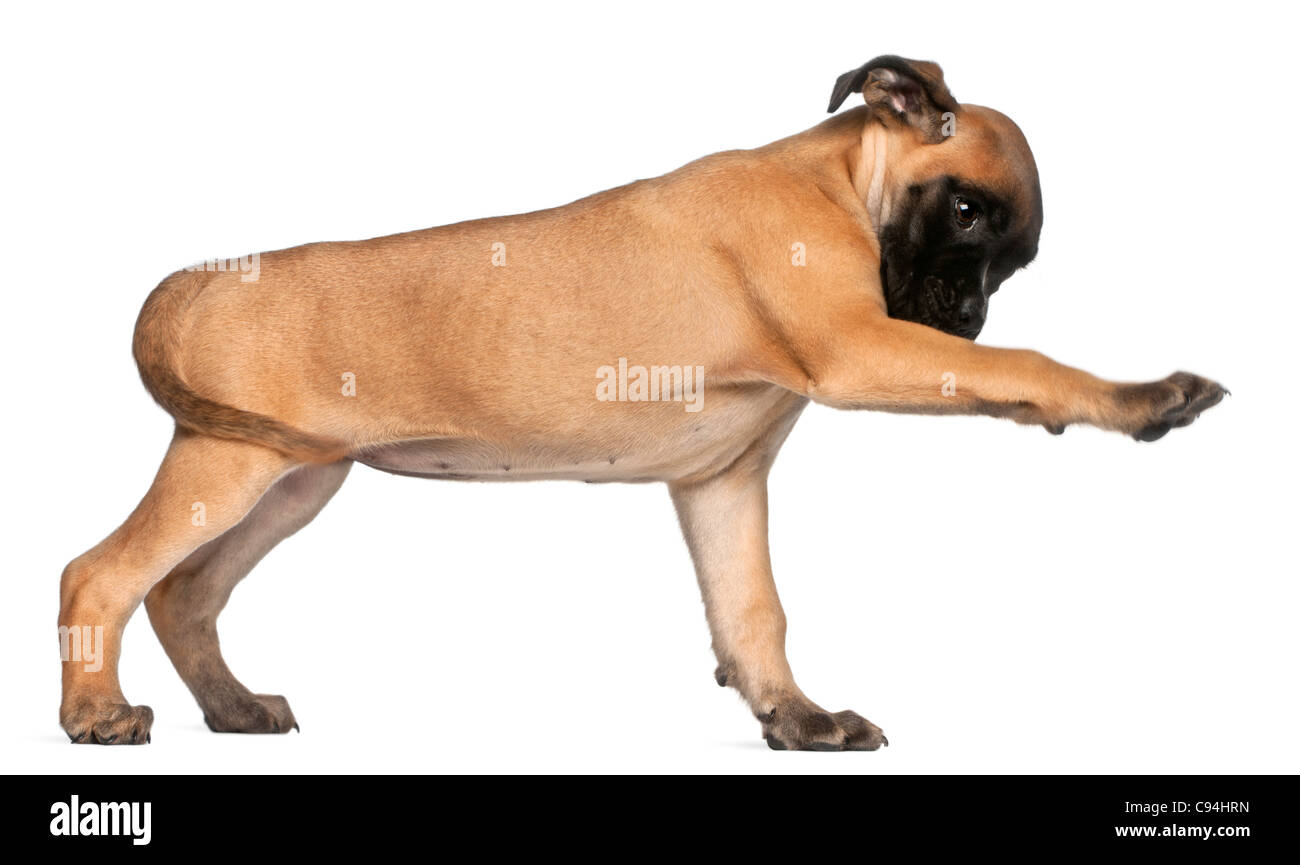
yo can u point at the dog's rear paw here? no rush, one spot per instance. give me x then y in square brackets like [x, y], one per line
[797, 725]
[111, 724]
[1176, 401]
[255, 713]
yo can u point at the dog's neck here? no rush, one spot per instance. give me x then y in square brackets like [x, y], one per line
[869, 173]
[855, 148]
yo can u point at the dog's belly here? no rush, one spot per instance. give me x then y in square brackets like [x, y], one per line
[696, 445]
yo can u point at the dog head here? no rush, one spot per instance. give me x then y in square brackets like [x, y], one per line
[953, 189]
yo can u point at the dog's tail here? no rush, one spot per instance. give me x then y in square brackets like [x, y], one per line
[156, 344]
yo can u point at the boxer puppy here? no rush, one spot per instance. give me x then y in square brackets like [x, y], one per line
[669, 330]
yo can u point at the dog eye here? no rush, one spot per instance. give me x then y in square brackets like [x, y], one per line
[966, 212]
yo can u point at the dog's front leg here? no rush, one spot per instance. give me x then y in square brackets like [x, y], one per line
[889, 365]
[724, 519]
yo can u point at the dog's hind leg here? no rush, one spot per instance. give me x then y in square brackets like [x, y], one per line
[204, 487]
[184, 607]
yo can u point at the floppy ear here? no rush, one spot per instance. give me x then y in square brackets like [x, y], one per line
[913, 91]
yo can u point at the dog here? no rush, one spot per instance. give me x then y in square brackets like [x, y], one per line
[850, 265]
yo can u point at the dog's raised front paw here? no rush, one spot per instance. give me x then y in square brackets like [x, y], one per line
[1159, 406]
[798, 725]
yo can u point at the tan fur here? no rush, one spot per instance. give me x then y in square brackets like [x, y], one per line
[465, 369]
[156, 352]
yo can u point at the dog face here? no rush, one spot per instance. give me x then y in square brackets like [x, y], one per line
[959, 203]
[949, 243]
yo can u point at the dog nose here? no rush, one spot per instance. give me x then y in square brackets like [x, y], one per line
[971, 312]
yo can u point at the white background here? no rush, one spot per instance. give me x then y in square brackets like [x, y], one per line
[997, 599]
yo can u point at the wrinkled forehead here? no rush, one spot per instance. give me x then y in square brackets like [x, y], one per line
[988, 151]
